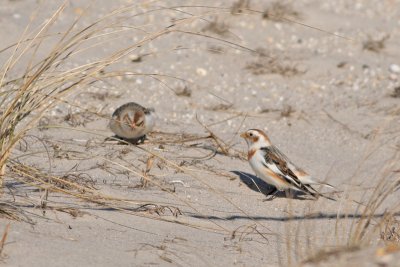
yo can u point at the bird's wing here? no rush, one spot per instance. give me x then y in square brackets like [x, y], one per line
[280, 164]
[298, 171]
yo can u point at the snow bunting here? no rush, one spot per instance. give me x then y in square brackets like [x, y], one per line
[273, 167]
[131, 121]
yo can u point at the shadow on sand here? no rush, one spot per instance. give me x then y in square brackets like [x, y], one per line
[258, 185]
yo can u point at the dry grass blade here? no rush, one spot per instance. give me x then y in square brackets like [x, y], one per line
[34, 177]
[133, 207]
[49, 79]
[325, 254]
[386, 186]
[285, 19]
[4, 239]
[214, 190]
[159, 209]
[224, 149]
[51, 183]
[12, 212]
[370, 225]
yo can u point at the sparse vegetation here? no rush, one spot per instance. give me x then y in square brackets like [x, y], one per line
[371, 225]
[396, 92]
[391, 229]
[186, 175]
[271, 65]
[218, 27]
[47, 82]
[240, 6]
[375, 45]
[280, 11]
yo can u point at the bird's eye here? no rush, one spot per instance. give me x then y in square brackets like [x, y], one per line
[250, 134]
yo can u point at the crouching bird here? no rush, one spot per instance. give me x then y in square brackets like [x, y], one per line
[132, 122]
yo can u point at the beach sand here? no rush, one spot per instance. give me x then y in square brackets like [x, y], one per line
[320, 85]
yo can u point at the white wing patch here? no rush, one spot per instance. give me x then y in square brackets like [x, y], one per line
[294, 181]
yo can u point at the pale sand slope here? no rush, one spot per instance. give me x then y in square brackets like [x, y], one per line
[344, 127]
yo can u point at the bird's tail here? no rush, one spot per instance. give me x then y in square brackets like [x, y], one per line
[309, 180]
[323, 184]
[317, 194]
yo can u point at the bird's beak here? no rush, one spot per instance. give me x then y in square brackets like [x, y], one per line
[243, 135]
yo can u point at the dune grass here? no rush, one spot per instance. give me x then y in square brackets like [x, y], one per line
[48, 78]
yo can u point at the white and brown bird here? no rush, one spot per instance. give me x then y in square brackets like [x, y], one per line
[273, 167]
[132, 122]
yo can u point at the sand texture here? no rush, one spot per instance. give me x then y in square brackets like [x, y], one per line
[323, 83]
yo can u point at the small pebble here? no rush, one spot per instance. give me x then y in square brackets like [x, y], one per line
[135, 58]
[393, 77]
[201, 71]
[394, 68]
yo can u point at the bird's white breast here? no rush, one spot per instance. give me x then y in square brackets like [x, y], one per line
[149, 122]
[122, 129]
[256, 163]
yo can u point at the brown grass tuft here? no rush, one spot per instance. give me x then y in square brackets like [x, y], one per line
[390, 229]
[240, 6]
[267, 65]
[396, 92]
[218, 27]
[278, 11]
[375, 45]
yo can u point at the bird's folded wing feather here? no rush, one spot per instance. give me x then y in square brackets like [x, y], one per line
[278, 162]
[295, 169]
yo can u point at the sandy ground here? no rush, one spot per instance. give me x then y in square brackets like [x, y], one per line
[331, 107]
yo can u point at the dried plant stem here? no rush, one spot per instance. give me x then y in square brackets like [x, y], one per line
[221, 144]
[2, 173]
[4, 238]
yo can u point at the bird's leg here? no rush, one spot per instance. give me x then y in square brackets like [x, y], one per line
[271, 194]
[141, 139]
[136, 141]
[273, 191]
[289, 193]
[315, 196]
